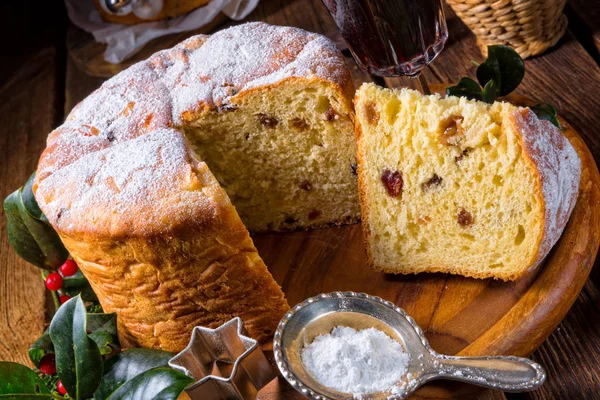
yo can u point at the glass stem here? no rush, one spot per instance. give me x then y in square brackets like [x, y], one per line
[424, 84]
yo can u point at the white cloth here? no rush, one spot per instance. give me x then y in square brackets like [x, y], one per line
[125, 40]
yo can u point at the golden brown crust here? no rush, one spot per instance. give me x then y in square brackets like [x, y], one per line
[171, 8]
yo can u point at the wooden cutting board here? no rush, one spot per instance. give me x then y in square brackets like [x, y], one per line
[460, 316]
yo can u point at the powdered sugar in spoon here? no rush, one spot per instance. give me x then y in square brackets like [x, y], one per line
[319, 315]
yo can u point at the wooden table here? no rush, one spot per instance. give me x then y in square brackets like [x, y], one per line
[39, 85]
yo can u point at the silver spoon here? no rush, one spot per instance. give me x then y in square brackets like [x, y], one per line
[319, 315]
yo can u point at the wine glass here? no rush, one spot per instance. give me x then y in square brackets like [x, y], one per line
[391, 37]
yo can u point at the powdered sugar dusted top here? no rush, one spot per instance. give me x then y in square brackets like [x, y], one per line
[163, 92]
[559, 167]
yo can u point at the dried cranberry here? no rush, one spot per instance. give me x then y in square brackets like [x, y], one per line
[393, 182]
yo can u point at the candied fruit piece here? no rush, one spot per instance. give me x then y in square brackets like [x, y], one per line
[371, 113]
[452, 131]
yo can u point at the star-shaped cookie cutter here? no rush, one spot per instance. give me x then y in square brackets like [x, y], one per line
[224, 363]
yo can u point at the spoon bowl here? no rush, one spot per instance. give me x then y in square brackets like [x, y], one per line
[319, 315]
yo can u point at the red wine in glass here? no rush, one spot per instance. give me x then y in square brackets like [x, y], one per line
[391, 37]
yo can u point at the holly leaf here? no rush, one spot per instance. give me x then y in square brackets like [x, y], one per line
[466, 87]
[489, 92]
[78, 285]
[158, 383]
[547, 112]
[78, 360]
[40, 348]
[18, 381]
[29, 232]
[504, 66]
[102, 322]
[125, 366]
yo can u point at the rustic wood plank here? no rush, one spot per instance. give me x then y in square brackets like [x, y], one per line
[28, 112]
[584, 20]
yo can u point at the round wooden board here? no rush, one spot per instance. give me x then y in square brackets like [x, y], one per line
[459, 315]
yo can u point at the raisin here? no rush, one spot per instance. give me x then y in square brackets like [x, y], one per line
[393, 182]
[299, 123]
[331, 115]
[464, 154]
[110, 136]
[452, 132]
[464, 218]
[305, 185]
[314, 214]
[433, 182]
[371, 113]
[268, 121]
[354, 169]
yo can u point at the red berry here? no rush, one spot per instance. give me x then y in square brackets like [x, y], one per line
[69, 268]
[64, 298]
[48, 364]
[61, 389]
[54, 281]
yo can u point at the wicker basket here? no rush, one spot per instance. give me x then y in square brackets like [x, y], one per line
[528, 26]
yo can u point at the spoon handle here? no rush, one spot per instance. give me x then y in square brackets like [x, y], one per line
[507, 373]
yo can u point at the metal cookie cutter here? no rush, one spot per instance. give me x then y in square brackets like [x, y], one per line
[225, 364]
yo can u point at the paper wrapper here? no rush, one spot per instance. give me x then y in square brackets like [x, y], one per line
[122, 41]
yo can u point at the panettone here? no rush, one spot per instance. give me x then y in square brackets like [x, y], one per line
[459, 186]
[125, 181]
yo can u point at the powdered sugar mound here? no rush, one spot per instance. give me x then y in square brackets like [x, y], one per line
[357, 362]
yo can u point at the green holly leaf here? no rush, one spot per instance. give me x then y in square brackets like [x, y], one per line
[103, 331]
[159, 383]
[78, 285]
[489, 92]
[19, 382]
[127, 365]
[40, 348]
[29, 232]
[547, 112]
[504, 66]
[466, 87]
[78, 360]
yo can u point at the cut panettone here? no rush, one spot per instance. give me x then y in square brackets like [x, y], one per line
[129, 181]
[460, 186]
